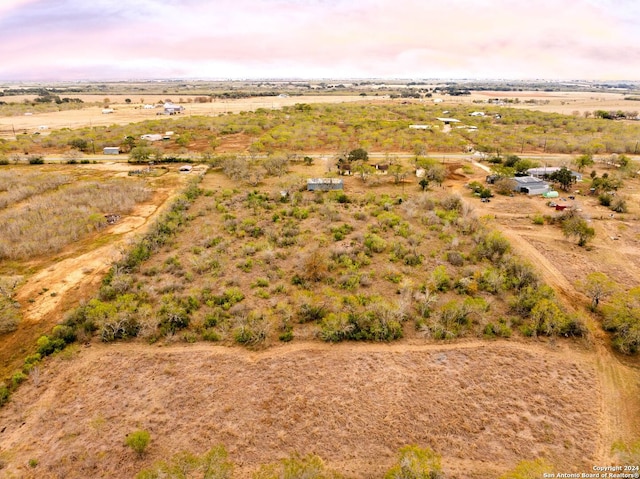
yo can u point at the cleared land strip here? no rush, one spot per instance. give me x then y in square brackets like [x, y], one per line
[484, 406]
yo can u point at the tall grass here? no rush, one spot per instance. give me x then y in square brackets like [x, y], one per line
[17, 186]
[49, 222]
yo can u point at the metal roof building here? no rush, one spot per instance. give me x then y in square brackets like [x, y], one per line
[549, 170]
[530, 185]
[324, 184]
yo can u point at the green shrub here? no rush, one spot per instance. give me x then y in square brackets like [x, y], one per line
[492, 246]
[211, 334]
[374, 243]
[622, 318]
[214, 464]
[311, 312]
[286, 335]
[214, 318]
[138, 441]
[538, 220]
[119, 328]
[440, 278]
[334, 327]
[35, 160]
[415, 462]
[373, 325]
[605, 199]
[229, 298]
[296, 467]
[65, 333]
[47, 346]
[413, 259]
[17, 378]
[251, 330]
[528, 297]
[500, 329]
[5, 394]
[174, 315]
[529, 470]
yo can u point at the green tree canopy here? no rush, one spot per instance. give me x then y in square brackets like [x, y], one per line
[359, 154]
[564, 177]
[597, 286]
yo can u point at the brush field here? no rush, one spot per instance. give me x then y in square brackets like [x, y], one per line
[231, 306]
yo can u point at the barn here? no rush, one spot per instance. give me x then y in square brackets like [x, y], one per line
[530, 185]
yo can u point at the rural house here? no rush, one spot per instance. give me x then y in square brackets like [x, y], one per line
[111, 150]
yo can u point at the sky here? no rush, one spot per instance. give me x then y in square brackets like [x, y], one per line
[44, 40]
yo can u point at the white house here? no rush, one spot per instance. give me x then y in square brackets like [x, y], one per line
[111, 150]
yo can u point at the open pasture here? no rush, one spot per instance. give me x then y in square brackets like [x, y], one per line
[353, 405]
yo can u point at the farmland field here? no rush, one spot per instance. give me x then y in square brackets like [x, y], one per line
[341, 324]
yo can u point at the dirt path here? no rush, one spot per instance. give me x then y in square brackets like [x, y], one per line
[619, 399]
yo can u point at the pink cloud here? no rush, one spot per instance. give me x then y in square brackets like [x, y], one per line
[366, 37]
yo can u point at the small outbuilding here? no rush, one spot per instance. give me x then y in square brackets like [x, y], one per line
[172, 108]
[448, 121]
[151, 137]
[324, 184]
[185, 169]
[111, 150]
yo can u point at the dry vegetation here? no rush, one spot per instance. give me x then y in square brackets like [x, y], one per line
[374, 125]
[48, 222]
[16, 185]
[479, 368]
[256, 267]
[354, 406]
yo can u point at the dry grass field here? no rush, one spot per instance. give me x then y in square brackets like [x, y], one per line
[124, 113]
[566, 103]
[353, 405]
[483, 404]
